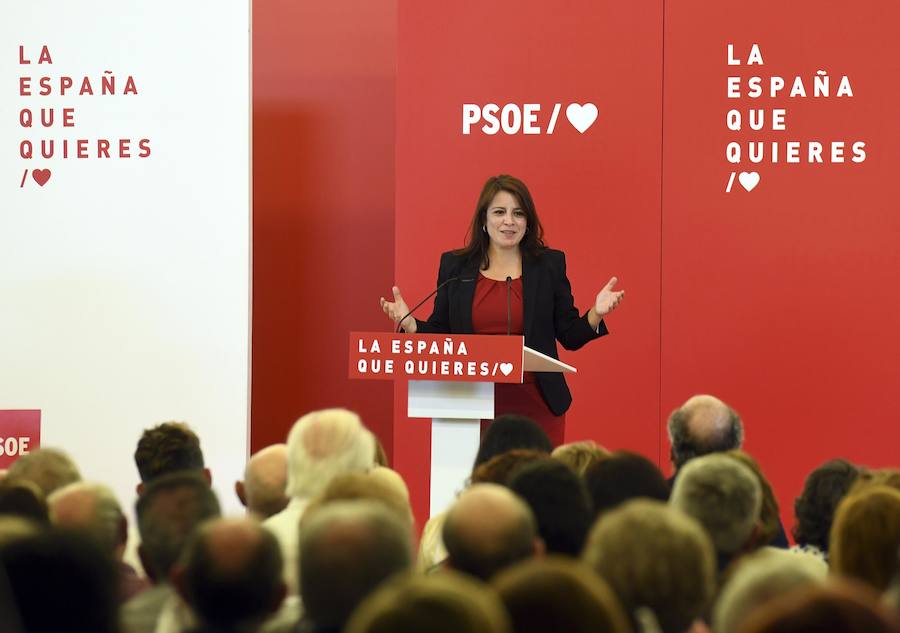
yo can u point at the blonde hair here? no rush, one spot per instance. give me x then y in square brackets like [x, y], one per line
[580, 456]
[865, 536]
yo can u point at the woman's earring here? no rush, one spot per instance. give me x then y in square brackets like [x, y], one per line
[484, 227]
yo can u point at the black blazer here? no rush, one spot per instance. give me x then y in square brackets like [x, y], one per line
[550, 313]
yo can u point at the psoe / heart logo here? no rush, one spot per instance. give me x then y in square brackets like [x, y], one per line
[506, 368]
[512, 119]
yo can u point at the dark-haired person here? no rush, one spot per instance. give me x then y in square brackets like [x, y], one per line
[621, 477]
[814, 508]
[230, 574]
[511, 432]
[506, 241]
[168, 448]
[560, 503]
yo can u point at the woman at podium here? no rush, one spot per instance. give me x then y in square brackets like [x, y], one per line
[506, 281]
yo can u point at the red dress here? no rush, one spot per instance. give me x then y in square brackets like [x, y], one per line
[489, 316]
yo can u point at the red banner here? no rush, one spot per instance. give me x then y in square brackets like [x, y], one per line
[20, 433]
[468, 358]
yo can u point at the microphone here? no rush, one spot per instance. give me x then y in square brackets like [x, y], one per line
[433, 292]
[508, 309]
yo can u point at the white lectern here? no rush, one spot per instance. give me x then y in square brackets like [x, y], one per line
[456, 410]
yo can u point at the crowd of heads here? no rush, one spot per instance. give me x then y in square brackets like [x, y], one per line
[576, 538]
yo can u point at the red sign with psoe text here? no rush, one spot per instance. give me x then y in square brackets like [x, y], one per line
[20, 433]
[457, 357]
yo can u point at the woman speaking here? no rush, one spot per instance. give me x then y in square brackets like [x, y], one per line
[506, 281]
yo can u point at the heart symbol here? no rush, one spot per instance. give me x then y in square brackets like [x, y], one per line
[41, 176]
[581, 116]
[506, 368]
[748, 179]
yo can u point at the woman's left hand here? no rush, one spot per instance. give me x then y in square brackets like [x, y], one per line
[608, 299]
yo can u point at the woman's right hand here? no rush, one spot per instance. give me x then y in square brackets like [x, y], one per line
[397, 309]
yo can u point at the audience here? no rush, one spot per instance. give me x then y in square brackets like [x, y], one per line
[169, 510]
[439, 603]
[623, 476]
[47, 468]
[487, 529]
[557, 594]
[92, 508]
[657, 558]
[230, 574]
[865, 536]
[348, 548]
[323, 519]
[559, 501]
[509, 442]
[265, 478]
[724, 496]
[814, 508]
[321, 445]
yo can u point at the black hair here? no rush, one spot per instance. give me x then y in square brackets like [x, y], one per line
[508, 432]
[623, 476]
[560, 502]
[822, 492]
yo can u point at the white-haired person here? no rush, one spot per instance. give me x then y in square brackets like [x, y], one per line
[321, 445]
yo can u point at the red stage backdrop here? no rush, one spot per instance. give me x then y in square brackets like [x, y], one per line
[323, 205]
[766, 281]
[781, 299]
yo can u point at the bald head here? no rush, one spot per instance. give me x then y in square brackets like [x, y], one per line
[263, 489]
[702, 425]
[91, 508]
[348, 548]
[488, 529]
[232, 572]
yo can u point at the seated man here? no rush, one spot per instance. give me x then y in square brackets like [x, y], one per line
[230, 574]
[725, 497]
[93, 509]
[488, 529]
[168, 512]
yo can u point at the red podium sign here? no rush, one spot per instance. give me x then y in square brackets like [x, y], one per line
[454, 357]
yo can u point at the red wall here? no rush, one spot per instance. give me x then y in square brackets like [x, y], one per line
[779, 300]
[323, 205]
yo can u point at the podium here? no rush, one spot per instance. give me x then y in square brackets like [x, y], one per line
[451, 381]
